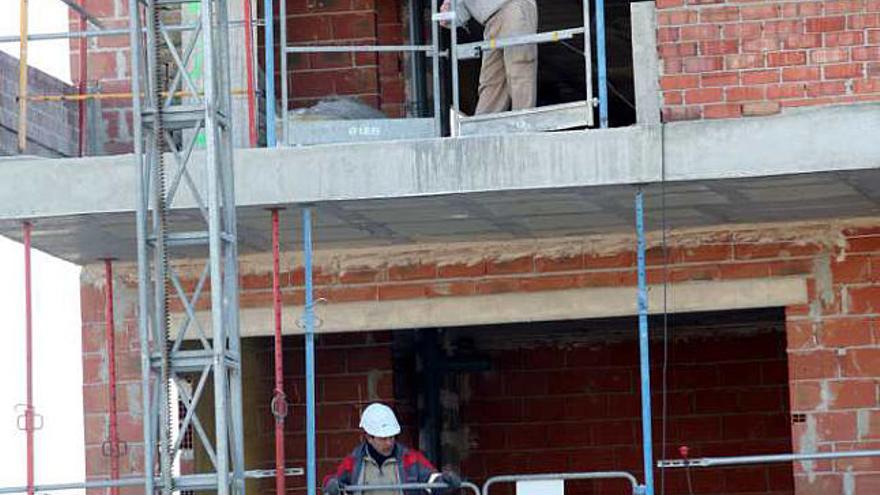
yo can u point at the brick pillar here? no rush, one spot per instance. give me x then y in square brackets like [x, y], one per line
[834, 365]
[95, 379]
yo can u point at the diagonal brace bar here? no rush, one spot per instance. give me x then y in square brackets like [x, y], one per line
[83, 12]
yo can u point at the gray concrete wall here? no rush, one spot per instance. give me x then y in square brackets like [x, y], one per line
[52, 126]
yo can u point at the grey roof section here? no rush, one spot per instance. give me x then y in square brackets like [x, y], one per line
[804, 164]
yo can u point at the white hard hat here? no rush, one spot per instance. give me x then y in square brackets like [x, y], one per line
[378, 420]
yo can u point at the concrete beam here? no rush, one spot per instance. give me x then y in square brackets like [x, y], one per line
[42, 188]
[791, 143]
[525, 307]
[779, 168]
[819, 139]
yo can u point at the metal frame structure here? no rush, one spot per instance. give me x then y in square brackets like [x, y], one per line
[371, 129]
[553, 117]
[544, 118]
[541, 118]
[161, 123]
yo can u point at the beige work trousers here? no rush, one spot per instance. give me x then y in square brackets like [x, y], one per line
[509, 76]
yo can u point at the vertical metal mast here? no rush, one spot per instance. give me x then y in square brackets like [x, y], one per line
[167, 129]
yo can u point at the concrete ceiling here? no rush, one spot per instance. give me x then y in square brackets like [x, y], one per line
[497, 215]
[782, 168]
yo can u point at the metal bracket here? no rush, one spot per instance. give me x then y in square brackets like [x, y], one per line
[279, 405]
[21, 420]
[443, 16]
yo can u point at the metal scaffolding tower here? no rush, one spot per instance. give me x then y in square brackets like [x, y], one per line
[168, 126]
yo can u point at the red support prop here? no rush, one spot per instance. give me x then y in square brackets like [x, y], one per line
[83, 76]
[249, 64]
[28, 323]
[279, 401]
[110, 339]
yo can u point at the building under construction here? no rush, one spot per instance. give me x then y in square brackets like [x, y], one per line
[664, 279]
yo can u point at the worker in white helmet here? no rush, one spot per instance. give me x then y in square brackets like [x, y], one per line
[380, 460]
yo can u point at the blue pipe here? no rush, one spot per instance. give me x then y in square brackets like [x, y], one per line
[644, 350]
[311, 478]
[270, 73]
[601, 64]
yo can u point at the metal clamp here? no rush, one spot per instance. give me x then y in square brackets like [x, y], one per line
[108, 449]
[301, 323]
[279, 405]
[21, 420]
[443, 16]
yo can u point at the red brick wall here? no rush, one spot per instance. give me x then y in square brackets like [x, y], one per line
[833, 340]
[576, 406]
[834, 365]
[109, 68]
[352, 371]
[375, 79]
[731, 58]
[95, 382]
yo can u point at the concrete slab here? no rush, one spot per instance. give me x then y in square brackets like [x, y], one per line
[784, 167]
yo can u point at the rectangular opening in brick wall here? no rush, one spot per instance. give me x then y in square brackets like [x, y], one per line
[352, 370]
[384, 82]
[561, 65]
[377, 80]
[564, 396]
[541, 397]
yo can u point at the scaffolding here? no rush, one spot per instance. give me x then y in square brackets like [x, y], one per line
[161, 238]
[170, 120]
[553, 117]
[547, 118]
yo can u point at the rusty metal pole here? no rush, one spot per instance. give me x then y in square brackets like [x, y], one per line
[249, 64]
[279, 399]
[23, 77]
[110, 341]
[83, 83]
[29, 378]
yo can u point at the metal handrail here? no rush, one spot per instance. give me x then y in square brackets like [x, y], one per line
[596, 475]
[471, 50]
[429, 50]
[358, 48]
[474, 49]
[762, 459]
[182, 482]
[409, 486]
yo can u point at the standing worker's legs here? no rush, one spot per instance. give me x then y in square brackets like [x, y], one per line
[493, 92]
[521, 62]
[510, 75]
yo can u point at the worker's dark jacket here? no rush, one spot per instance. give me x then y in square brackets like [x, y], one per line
[412, 467]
